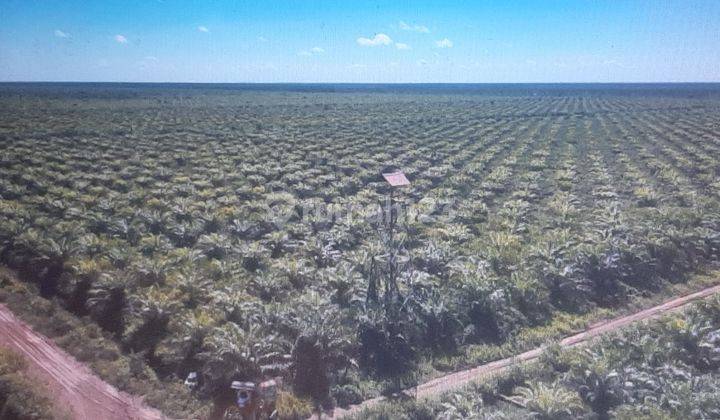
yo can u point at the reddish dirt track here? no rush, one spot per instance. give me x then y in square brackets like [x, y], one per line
[78, 391]
[459, 379]
[70, 384]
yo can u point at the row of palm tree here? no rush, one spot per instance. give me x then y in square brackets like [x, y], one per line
[172, 241]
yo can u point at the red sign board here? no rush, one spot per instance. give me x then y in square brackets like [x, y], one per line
[396, 179]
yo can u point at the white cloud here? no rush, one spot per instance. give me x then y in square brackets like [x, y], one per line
[61, 34]
[312, 51]
[262, 39]
[401, 46]
[415, 28]
[203, 29]
[121, 39]
[378, 39]
[444, 43]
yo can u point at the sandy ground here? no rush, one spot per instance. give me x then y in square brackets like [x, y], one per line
[72, 385]
[459, 379]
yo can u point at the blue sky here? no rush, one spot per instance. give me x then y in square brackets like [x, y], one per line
[360, 41]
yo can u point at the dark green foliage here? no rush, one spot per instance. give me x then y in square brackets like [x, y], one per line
[311, 372]
[602, 391]
[345, 395]
[161, 206]
[657, 370]
[385, 343]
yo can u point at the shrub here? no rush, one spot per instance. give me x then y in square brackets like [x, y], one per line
[290, 407]
[21, 397]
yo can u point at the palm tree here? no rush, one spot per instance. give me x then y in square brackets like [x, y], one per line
[11, 227]
[214, 245]
[189, 334]
[322, 251]
[345, 281]
[440, 323]
[185, 233]
[321, 346]
[601, 390]
[181, 257]
[696, 340]
[153, 220]
[269, 285]
[530, 296]
[193, 287]
[253, 255]
[107, 304]
[384, 335]
[548, 402]
[45, 258]
[277, 242]
[239, 307]
[297, 271]
[83, 274]
[233, 352]
[148, 272]
[151, 310]
[155, 244]
[461, 406]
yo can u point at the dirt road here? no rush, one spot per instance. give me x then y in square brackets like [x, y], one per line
[457, 380]
[85, 396]
[72, 385]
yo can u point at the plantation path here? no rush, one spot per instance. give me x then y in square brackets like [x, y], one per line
[71, 385]
[76, 389]
[459, 379]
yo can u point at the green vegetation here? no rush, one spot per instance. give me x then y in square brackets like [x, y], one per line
[20, 397]
[664, 369]
[208, 230]
[88, 343]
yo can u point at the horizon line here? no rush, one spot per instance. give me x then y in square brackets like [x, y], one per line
[356, 83]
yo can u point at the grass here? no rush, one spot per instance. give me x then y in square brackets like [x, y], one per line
[641, 371]
[22, 397]
[89, 344]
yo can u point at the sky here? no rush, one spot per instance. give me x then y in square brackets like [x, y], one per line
[235, 41]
